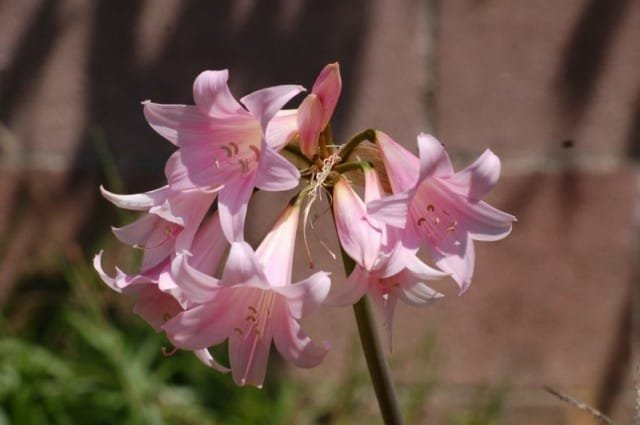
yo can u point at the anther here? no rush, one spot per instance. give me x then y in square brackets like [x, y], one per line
[253, 309]
[431, 208]
[256, 151]
[169, 352]
[421, 220]
[251, 318]
[238, 330]
[235, 147]
[227, 150]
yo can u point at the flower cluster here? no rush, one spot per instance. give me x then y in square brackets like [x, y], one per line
[201, 283]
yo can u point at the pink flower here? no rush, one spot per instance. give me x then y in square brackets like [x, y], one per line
[439, 209]
[385, 269]
[252, 304]
[158, 295]
[316, 109]
[222, 145]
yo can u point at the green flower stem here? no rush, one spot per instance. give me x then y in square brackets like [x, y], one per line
[350, 166]
[348, 147]
[373, 352]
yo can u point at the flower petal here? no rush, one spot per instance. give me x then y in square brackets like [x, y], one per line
[166, 119]
[358, 237]
[434, 160]
[402, 166]
[276, 250]
[293, 343]
[477, 179]
[282, 128]
[249, 355]
[203, 326]
[310, 116]
[155, 306]
[391, 210]
[265, 103]
[351, 290]
[211, 94]
[242, 267]
[197, 286]
[205, 357]
[275, 173]
[328, 86]
[233, 200]
[305, 296]
[136, 201]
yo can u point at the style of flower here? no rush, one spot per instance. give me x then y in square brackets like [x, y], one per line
[252, 304]
[385, 268]
[222, 146]
[439, 209]
[316, 109]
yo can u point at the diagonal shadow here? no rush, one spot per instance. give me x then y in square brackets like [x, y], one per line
[584, 57]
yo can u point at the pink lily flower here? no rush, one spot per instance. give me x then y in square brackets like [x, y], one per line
[252, 304]
[385, 268]
[158, 295]
[440, 209]
[222, 145]
[316, 109]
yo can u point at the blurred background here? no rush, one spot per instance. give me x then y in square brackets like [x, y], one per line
[552, 88]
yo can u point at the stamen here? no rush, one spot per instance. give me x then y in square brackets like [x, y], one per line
[168, 352]
[256, 151]
[227, 150]
[235, 148]
[238, 330]
[166, 317]
[421, 220]
[431, 208]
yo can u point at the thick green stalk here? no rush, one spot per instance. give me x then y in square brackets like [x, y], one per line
[374, 354]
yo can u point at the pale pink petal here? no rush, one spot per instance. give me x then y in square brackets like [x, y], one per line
[197, 286]
[108, 280]
[402, 166]
[138, 232]
[265, 103]
[480, 219]
[293, 343]
[417, 294]
[386, 304]
[136, 201]
[275, 252]
[328, 86]
[242, 267]
[155, 306]
[372, 188]
[310, 116]
[457, 260]
[166, 119]
[233, 200]
[249, 355]
[275, 173]
[434, 160]
[419, 270]
[211, 94]
[305, 296]
[357, 236]
[349, 291]
[209, 246]
[205, 357]
[202, 326]
[282, 128]
[476, 180]
[391, 210]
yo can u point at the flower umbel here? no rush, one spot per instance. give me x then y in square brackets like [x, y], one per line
[200, 281]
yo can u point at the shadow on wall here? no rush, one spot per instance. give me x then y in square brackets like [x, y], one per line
[258, 49]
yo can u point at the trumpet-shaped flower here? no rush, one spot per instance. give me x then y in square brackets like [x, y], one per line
[316, 109]
[222, 144]
[158, 295]
[385, 268]
[439, 209]
[252, 304]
